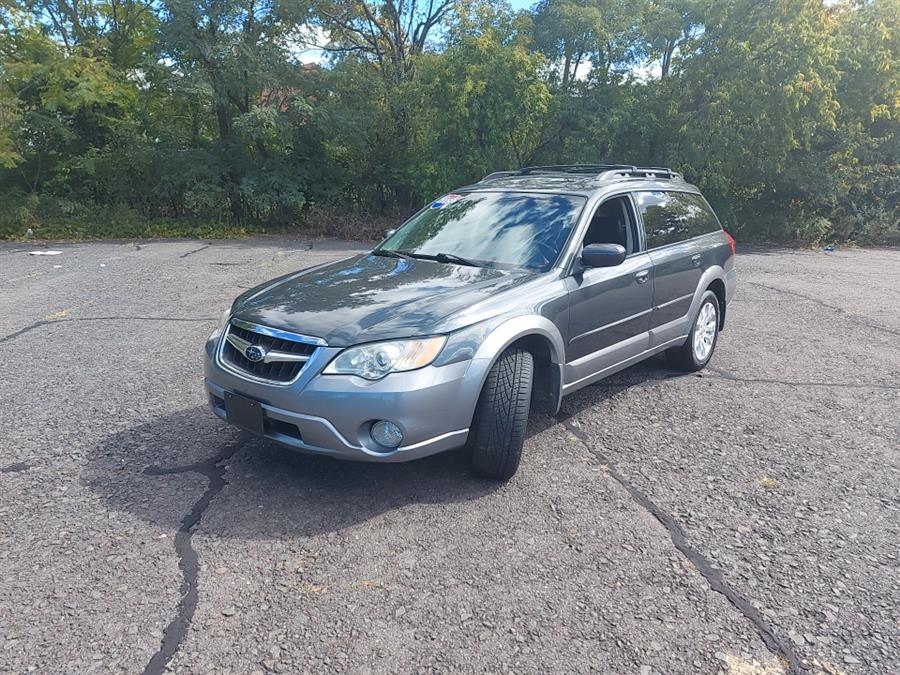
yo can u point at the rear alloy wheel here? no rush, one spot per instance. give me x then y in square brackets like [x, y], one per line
[698, 349]
[501, 416]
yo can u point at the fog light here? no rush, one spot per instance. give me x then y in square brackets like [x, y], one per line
[387, 434]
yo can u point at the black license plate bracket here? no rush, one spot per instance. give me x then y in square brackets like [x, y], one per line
[245, 412]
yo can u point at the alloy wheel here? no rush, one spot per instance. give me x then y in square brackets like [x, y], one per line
[705, 331]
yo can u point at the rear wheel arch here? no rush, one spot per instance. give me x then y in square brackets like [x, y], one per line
[717, 286]
[712, 279]
[704, 328]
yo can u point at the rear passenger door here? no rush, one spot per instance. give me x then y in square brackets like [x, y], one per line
[674, 224]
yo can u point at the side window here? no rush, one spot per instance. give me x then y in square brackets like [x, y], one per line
[671, 217]
[613, 223]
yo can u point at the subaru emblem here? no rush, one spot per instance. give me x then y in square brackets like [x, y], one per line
[255, 353]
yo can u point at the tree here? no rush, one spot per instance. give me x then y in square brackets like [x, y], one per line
[230, 53]
[667, 26]
[392, 33]
[121, 30]
[580, 36]
[568, 32]
[785, 111]
[486, 103]
[60, 105]
[755, 88]
[861, 189]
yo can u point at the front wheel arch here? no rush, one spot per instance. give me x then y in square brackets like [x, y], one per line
[540, 337]
[545, 395]
[548, 372]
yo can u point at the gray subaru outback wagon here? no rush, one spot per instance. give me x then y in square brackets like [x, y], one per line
[498, 297]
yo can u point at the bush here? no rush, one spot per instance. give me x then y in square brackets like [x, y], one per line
[813, 230]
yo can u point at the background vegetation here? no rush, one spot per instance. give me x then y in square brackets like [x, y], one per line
[153, 117]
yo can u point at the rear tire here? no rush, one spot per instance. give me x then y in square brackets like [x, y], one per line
[698, 349]
[501, 416]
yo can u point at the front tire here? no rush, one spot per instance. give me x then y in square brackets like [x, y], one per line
[698, 349]
[501, 416]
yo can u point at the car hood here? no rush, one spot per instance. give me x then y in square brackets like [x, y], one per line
[369, 298]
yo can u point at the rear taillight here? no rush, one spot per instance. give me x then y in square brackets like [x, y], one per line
[731, 241]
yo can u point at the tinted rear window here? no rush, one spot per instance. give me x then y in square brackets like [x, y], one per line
[671, 217]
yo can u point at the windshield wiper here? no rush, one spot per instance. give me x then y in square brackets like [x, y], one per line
[437, 257]
[453, 258]
[442, 258]
[390, 253]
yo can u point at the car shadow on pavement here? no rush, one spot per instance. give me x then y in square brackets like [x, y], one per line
[653, 369]
[157, 470]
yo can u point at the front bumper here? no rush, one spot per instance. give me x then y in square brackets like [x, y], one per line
[332, 414]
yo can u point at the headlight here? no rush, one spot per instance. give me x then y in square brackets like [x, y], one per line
[223, 320]
[376, 360]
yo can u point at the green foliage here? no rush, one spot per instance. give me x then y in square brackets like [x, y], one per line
[486, 104]
[761, 86]
[170, 117]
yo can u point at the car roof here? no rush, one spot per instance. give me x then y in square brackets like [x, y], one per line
[581, 179]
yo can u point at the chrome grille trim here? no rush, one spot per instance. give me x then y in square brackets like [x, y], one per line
[277, 357]
[278, 333]
[272, 355]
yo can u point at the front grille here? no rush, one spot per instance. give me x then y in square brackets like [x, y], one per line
[285, 371]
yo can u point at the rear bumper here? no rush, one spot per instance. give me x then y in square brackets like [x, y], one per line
[333, 414]
[730, 284]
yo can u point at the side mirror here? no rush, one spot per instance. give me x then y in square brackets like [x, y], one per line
[603, 255]
[389, 233]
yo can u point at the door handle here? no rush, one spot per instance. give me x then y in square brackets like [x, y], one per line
[642, 276]
[696, 260]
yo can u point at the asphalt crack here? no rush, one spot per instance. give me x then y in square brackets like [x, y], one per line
[214, 470]
[854, 318]
[188, 319]
[22, 331]
[727, 375]
[47, 322]
[705, 566]
[16, 467]
[722, 374]
[196, 250]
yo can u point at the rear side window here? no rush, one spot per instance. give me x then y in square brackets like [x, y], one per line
[670, 217]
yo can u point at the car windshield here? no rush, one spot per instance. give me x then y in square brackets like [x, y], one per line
[493, 229]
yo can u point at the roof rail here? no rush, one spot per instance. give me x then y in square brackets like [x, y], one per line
[574, 168]
[649, 172]
[601, 171]
[499, 174]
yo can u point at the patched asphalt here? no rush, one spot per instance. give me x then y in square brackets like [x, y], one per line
[741, 520]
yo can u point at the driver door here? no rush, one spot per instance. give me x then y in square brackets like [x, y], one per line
[609, 307]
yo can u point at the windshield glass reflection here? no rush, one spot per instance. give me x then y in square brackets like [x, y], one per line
[494, 229]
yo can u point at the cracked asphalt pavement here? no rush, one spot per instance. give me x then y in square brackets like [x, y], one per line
[742, 520]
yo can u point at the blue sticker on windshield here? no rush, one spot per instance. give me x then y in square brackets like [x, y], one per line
[446, 200]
